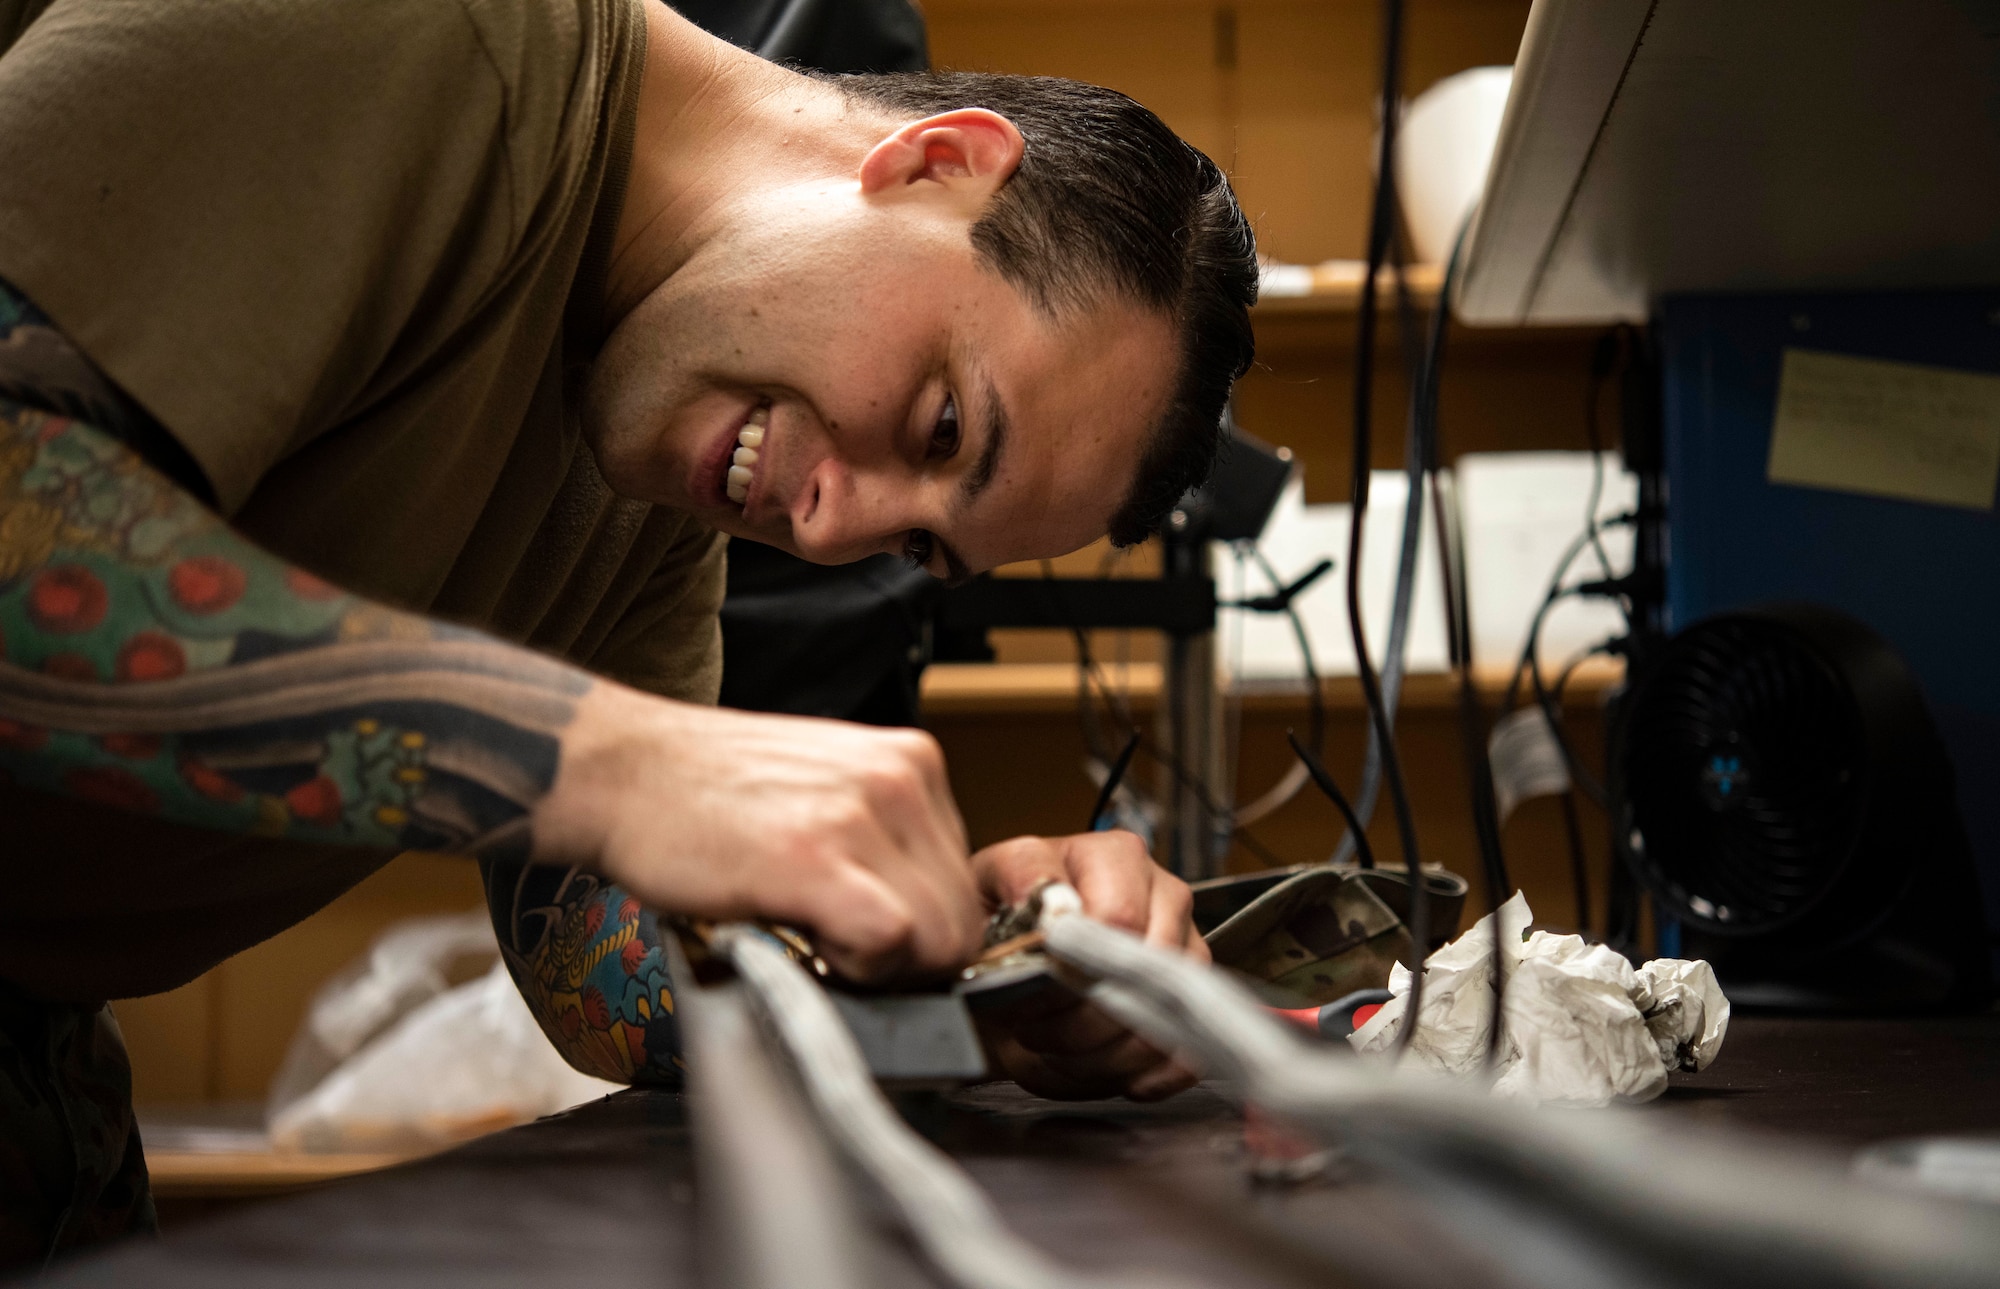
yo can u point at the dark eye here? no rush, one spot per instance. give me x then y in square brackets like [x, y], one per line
[944, 435]
[918, 548]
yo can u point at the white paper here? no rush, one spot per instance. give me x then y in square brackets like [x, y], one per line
[1685, 1010]
[1581, 1026]
[1520, 510]
[1526, 759]
[1261, 646]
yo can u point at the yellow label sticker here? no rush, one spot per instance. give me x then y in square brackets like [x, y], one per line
[1887, 429]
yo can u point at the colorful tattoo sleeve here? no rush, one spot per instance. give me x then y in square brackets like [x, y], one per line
[588, 960]
[152, 660]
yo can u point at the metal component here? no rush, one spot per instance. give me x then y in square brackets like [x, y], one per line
[1622, 1200]
[914, 1038]
[945, 1213]
[775, 1209]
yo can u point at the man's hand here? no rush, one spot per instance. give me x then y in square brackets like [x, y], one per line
[1077, 1052]
[845, 830]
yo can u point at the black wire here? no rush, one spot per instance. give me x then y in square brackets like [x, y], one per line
[1572, 826]
[1093, 740]
[1315, 700]
[1576, 660]
[1325, 783]
[1600, 368]
[1552, 713]
[1094, 679]
[1556, 592]
[1458, 627]
[1381, 231]
[1112, 779]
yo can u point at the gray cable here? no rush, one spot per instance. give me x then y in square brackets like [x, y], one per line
[1399, 632]
[1638, 1202]
[943, 1210]
[775, 1211]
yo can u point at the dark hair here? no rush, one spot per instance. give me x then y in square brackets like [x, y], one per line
[1108, 200]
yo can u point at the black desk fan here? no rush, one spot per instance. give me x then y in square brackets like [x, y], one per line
[1778, 785]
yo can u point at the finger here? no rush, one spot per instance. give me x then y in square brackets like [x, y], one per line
[1116, 1065]
[925, 757]
[932, 872]
[1070, 1031]
[924, 856]
[1115, 876]
[1171, 916]
[861, 924]
[1009, 871]
[1196, 945]
[1161, 1081]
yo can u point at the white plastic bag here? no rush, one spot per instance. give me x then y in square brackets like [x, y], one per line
[392, 1057]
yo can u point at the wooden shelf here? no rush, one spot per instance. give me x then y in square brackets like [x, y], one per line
[1323, 317]
[190, 1174]
[219, 1150]
[1336, 288]
[975, 688]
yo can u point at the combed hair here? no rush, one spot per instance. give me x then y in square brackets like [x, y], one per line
[1107, 201]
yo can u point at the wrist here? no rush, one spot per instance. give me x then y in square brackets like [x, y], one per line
[604, 755]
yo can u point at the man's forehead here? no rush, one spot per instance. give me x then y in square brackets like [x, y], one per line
[1105, 370]
[1079, 414]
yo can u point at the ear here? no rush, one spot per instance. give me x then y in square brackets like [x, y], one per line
[969, 151]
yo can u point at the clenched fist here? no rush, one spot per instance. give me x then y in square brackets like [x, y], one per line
[847, 831]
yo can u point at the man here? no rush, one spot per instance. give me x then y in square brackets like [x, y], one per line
[380, 377]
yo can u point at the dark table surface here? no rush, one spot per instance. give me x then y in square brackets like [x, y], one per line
[605, 1194]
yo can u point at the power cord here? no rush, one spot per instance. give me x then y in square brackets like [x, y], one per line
[1284, 600]
[1381, 230]
[1093, 679]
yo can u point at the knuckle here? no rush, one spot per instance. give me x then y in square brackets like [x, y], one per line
[892, 928]
[1126, 845]
[891, 779]
[843, 817]
[922, 749]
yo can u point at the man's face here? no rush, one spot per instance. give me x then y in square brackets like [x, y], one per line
[901, 397]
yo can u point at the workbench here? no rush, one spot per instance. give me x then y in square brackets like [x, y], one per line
[606, 1193]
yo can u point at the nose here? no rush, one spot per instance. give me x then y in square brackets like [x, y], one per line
[845, 513]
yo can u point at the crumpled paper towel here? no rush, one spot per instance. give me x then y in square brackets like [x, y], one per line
[1581, 1025]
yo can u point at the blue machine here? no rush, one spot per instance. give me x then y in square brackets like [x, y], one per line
[1927, 577]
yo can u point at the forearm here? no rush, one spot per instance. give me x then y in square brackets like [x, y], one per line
[153, 660]
[588, 960]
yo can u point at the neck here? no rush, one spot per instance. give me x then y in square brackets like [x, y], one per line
[715, 127]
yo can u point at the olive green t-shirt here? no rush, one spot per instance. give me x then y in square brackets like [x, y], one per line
[350, 254]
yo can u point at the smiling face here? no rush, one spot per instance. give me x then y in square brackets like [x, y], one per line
[908, 399]
[881, 387]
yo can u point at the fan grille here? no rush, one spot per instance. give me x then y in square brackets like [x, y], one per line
[1745, 776]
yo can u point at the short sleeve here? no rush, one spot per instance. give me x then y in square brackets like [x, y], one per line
[669, 639]
[259, 217]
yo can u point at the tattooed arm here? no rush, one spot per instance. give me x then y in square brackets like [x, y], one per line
[153, 660]
[588, 959]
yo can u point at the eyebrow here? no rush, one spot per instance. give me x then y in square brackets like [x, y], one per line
[983, 470]
[977, 478]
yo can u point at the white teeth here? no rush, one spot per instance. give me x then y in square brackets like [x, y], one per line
[744, 463]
